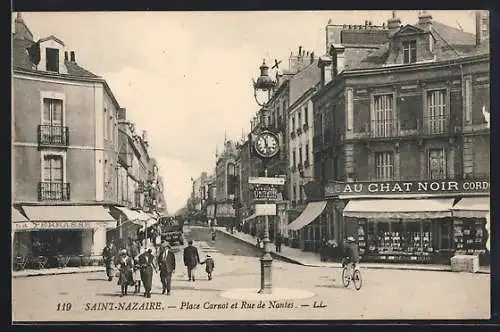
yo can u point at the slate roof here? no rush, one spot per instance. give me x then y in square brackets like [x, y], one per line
[450, 43]
[21, 59]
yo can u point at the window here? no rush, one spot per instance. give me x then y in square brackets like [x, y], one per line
[299, 119]
[52, 59]
[437, 164]
[300, 155]
[468, 100]
[53, 168]
[52, 112]
[294, 198]
[306, 116]
[383, 122]
[110, 129]
[384, 165]
[437, 117]
[410, 51]
[293, 124]
[294, 158]
[105, 124]
[350, 109]
[307, 153]
[284, 106]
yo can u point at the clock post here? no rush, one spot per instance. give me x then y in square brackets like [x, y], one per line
[266, 147]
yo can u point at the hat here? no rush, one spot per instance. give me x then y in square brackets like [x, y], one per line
[208, 255]
[150, 250]
[350, 239]
[123, 252]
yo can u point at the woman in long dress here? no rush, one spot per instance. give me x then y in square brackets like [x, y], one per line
[137, 275]
[125, 267]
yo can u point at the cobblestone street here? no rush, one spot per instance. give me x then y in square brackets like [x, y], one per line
[385, 294]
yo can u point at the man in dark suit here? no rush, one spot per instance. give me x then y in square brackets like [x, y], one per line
[166, 263]
[191, 259]
[146, 263]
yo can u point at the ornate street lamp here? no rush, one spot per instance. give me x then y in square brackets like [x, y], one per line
[265, 84]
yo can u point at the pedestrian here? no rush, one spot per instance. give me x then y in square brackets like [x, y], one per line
[107, 257]
[136, 275]
[166, 264]
[278, 242]
[147, 266]
[191, 259]
[209, 266]
[125, 266]
[214, 234]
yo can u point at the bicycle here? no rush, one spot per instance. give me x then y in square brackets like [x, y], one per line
[351, 273]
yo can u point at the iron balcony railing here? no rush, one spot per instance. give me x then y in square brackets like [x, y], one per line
[53, 191]
[53, 135]
[384, 128]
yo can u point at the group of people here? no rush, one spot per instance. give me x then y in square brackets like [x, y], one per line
[132, 270]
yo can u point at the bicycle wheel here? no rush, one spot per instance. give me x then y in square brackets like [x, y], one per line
[346, 277]
[358, 282]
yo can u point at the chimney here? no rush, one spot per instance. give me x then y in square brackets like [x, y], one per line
[394, 22]
[65, 56]
[72, 56]
[21, 30]
[482, 26]
[145, 136]
[425, 20]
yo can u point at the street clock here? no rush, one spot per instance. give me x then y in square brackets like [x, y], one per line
[267, 144]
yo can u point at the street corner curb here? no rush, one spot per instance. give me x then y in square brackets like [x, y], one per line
[41, 274]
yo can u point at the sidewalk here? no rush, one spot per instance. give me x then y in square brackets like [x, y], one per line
[313, 259]
[55, 271]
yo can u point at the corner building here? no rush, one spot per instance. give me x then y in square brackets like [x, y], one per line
[405, 168]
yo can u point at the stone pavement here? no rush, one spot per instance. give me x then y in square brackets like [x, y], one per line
[54, 271]
[313, 259]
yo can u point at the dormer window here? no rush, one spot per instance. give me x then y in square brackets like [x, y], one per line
[52, 59]
[409, 51]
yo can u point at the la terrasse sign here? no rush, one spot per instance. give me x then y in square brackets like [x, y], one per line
[33, 225]
[407, 187]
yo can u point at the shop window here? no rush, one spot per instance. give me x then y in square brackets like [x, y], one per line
[384, 165]
[413, 237]
[469, 236]
[427, 237]
[437, 164]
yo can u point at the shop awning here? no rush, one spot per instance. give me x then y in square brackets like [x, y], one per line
[65, 217]
[131, 215]
[250, 217]
[399, 208]
[472, 207]
[17, 216]
[311, 212]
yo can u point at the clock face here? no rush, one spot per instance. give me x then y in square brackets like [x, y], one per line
[267, 145]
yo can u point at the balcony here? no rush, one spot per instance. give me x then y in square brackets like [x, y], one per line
[50, 135]
[299, 131]
[53, 191]
[305, 127]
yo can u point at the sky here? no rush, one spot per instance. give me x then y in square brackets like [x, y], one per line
[185, 77]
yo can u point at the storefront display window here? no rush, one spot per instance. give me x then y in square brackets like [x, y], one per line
[469, 236]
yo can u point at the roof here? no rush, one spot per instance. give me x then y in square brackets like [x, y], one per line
[21, 59]
[453, 35]
[450, 43]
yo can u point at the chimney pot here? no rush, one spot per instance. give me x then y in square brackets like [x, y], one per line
[72, 56]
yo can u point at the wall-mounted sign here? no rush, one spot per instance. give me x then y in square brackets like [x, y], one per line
[407, 187]
[47, 225]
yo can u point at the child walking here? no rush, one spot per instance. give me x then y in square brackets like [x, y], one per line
[209, 266]
[137, 276]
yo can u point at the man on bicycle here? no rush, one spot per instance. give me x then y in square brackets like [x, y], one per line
[350, 252]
